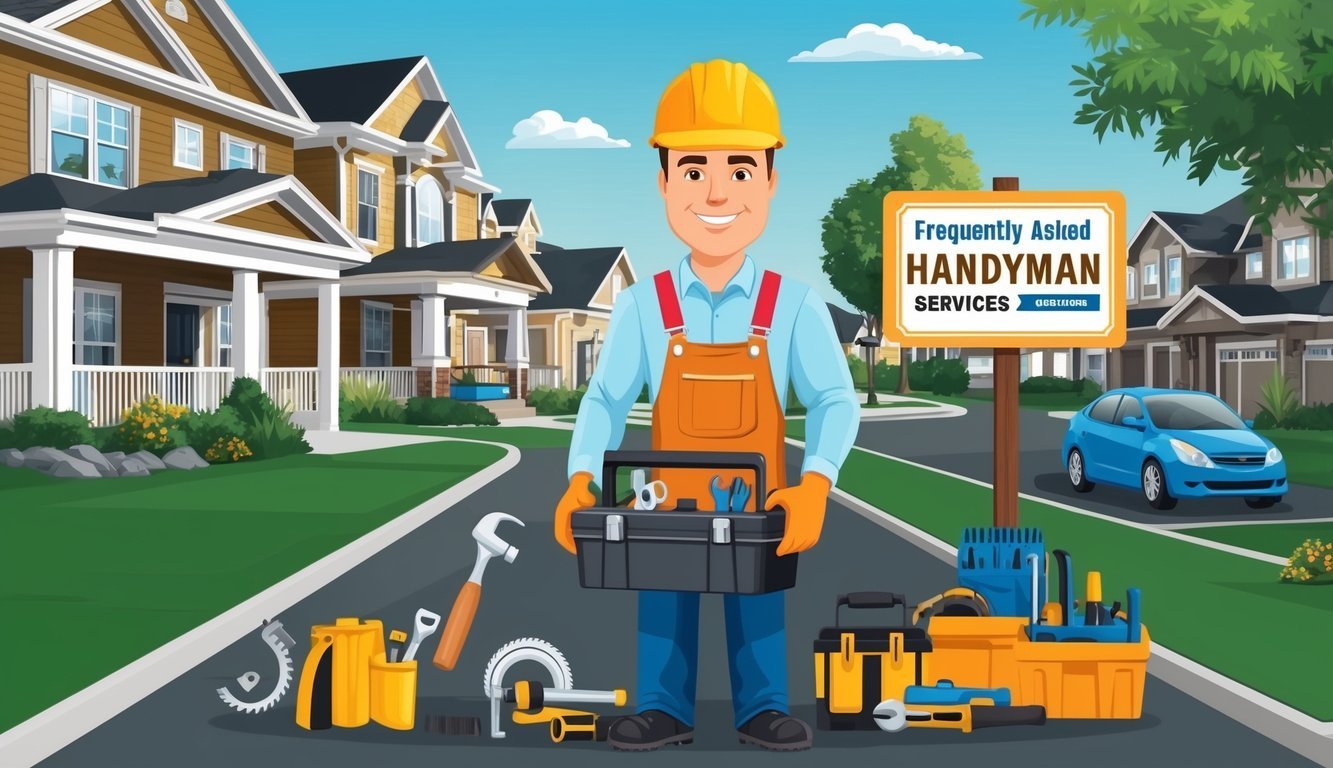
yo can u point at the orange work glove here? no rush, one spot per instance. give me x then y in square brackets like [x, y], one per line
[577, 496]
[804, 504]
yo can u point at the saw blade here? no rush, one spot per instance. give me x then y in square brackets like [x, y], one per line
[277, 640]
[527, 649]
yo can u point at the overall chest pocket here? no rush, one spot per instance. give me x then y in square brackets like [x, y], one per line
[717, 405]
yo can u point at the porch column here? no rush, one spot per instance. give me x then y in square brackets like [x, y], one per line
[1113, 368]
[405, 209]
[431, 358]
[326, 395]
[246, 307]
[516, 352]
[1187, 357]
[53, 327]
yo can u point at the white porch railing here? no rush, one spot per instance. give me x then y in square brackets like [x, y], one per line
[544, 376]
[103, 392]
[402, 382]
[481, 374]
[293, 388]
[15, 389]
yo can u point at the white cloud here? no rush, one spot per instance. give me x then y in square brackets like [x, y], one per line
[546, 129]
[891, 42]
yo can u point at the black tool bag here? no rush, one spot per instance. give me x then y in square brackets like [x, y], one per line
[858, 667]
[681, 550]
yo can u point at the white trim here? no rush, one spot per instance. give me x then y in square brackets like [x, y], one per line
[100, 288]
[168, 43]
[1179, 260]
[1244, 233]
[416, 208]
[398, 89]
[94, 97]
[1172, 346]
[1156, 282]
[1153, 217]
[1311, 259]
[176, 125]
[187, 292]
[225, 143]
[1306, 359]
[377, 305]
[289, 192]
[1197, 292]
[1224, 346]
[68, 13]
[230, 29]
[379, 203]
[366, 165]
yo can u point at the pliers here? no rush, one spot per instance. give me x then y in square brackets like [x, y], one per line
[729, 499]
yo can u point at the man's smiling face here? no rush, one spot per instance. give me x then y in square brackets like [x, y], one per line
[717, 200]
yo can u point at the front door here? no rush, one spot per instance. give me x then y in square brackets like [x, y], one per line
[476, 347]
[582, 362]
[182, 334]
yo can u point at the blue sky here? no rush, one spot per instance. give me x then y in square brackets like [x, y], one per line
[500, 63]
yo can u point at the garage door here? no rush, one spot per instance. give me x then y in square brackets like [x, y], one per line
[1242, 374]
[1131, 367]
[1319, 374]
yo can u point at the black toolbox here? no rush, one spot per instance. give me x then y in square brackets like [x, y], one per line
[681, 550]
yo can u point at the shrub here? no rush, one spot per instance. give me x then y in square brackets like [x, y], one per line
[1310, 563]
[206, 428]
[949, 377]
[549, 401]
[444, 411]
[1277, 398]
[268, 429]
[249, 400]
[152, 425]
[227, 449]
[7, 437]
[643, 396]
[1319, 416]
[1264, 420]
[467, 378]
[1090, 389]
[49, 428]
[367, 401]
[856, 366]
[1048, 385]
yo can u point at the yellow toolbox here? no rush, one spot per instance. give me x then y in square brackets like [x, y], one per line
[975, 651]
[1083, 680]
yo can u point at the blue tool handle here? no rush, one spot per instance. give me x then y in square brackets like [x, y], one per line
[1135, 596]
[614, 460]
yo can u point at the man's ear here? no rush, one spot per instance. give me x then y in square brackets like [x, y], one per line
[661, 183]
[772, 181]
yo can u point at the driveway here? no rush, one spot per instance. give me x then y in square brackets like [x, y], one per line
[963, 445]
[184, 723]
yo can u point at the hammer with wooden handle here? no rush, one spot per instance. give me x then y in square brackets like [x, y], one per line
[465, 605]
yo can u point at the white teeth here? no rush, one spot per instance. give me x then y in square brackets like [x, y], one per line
[716, 220]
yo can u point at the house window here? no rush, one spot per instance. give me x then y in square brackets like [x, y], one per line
[95, 326]
[1173, 276]
[367, 205]
[90, 138]
[1254, 265]
[430, 212]
[376, 334]
[1295, 261]
[224, 335]
[1133, 283]
[189, 146]
[980, 364]
[617, 285]
[1150, 281]
[239, 154]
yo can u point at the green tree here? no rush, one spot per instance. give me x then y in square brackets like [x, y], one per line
[1231, 84]
[925, 156]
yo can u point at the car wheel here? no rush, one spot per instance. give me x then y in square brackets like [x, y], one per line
[1261, 502]
[1153, 482]
[1077, 475]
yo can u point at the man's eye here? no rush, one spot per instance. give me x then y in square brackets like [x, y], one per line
[694, 174]
[740, 174]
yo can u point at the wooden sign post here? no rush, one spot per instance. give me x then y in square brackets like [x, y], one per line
[1004, 270]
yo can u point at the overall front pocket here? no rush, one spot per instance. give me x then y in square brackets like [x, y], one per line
[717, 405]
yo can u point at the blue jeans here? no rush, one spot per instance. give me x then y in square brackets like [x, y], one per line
[669, 653]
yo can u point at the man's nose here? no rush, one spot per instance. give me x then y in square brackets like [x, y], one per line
[717, 192]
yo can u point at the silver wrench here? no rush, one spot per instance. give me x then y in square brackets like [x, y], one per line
[425, 625]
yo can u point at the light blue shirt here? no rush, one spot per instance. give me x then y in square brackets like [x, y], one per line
[803, 350]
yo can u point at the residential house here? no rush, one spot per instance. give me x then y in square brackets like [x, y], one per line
[147, 203]
[517, 217]
[1215, 304]
[391, 159]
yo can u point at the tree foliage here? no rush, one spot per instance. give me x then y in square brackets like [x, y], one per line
[1229, 84]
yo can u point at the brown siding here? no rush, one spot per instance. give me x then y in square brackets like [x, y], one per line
[270, 217]
[384, 238]
[157, 126]
[317, 169]
[112, 28]
[15, 265]
[293, 330]
[212, 53]
[398, 112]
[465, 214]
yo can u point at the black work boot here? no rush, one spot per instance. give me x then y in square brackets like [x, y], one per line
[777, 731]
[648, 730]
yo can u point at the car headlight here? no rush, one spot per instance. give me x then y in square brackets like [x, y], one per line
[1274, 456]
[1190, 455]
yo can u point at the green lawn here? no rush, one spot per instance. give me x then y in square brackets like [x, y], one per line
[96, 573]
[521, 437]
[1198, 601]
[1277, 539]
[1309, 454]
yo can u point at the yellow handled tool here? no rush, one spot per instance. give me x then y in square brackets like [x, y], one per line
[893, 716]
[465, 605]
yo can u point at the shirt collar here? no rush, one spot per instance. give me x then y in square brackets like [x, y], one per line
[742, 281]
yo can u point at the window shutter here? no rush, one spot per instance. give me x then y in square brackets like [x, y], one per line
[223, 140]
[39, 141]
[261, 159]
[133, 165]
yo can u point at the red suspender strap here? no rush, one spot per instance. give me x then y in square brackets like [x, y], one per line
[763, 306]
[669, 302]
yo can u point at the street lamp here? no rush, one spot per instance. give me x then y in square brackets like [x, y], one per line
[870, 344]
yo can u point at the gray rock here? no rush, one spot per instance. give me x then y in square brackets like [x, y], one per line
[41, 459]
[115, 457]
[132, 467]
[11, 457]
[150, 461]
[94, 457]
[69, 466]
[183, 458]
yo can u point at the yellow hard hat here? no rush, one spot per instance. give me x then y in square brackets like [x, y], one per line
[718, 105]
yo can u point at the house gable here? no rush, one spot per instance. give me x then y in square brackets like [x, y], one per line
[111, 26]
[282, 207]
[271, 217]
[213, 52]
[603, 297]
[393, 116]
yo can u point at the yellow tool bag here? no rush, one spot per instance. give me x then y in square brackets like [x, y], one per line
[858, 667]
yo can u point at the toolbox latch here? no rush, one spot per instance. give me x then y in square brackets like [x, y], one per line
[721, 530]
[615, 528]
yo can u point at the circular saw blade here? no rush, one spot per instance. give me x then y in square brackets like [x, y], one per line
[527, 649]
[271, 636]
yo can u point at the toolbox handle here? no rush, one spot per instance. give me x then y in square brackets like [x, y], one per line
[614, 460]
[869, 600]
[990, 717]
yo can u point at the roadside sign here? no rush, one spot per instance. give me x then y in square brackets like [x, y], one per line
[1004, 269]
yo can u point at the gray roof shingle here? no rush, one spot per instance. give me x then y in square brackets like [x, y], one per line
[1216, 231]
[46, 192]
[348, 92]
[455, 256]
[424, 120]
[31, 10]
[575, 275]
[510, 213]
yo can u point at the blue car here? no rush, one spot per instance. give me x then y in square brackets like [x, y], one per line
[1172, 444]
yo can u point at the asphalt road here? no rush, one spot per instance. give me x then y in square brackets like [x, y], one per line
[963, 445]
[184, 723]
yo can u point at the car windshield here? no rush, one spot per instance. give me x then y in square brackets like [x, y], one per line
[1190, 412]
